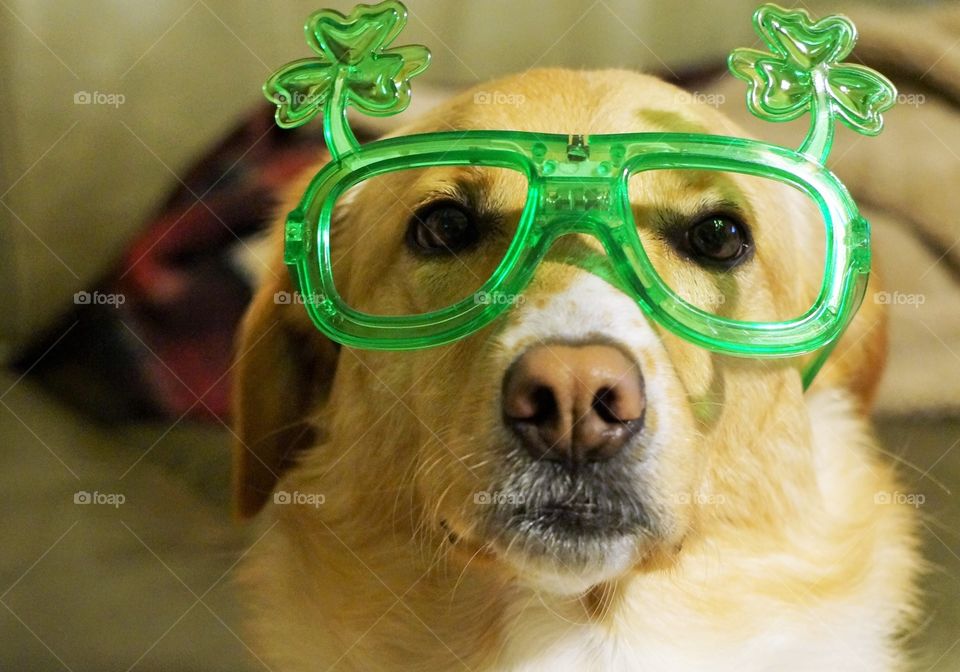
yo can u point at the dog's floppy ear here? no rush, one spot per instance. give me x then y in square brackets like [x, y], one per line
[283, 370]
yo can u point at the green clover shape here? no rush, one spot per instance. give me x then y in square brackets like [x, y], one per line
[353, 52]
[805, 62]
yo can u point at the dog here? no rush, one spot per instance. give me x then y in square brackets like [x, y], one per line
[474, 506]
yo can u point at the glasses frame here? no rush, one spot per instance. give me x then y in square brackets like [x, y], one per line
[592, 171]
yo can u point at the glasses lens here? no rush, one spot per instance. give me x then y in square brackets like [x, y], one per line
[414, 241]
[734, 245]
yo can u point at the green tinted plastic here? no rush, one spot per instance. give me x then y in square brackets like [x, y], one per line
[579, 184]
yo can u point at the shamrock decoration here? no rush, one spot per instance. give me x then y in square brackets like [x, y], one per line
[354, 65]
[804, 72]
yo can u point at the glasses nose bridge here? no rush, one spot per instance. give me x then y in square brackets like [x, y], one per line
[576, 203]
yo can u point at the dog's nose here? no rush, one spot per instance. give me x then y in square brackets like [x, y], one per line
[574, 403]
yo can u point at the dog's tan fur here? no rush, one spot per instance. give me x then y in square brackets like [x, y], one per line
[780, 557]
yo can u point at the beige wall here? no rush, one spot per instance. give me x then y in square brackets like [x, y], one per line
[79, 180]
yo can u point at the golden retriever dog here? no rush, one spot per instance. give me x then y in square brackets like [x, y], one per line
[572, 487]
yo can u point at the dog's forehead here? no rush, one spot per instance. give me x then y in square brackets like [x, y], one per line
[575, 101]
[561, 101]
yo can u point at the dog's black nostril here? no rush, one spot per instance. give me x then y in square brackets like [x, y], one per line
[574, 404]
[544, 405]
[604, 401]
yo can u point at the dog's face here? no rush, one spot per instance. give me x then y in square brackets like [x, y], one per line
[573, 440]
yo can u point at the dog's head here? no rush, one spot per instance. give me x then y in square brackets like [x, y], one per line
[573, 440]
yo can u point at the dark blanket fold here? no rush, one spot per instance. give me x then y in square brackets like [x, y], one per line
[156, 336]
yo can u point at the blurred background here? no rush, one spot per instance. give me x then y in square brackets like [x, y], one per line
[138, 163]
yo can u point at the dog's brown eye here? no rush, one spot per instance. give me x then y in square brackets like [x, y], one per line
[718, 240]
[443, 227]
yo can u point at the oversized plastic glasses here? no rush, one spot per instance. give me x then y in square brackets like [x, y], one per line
[579, 184]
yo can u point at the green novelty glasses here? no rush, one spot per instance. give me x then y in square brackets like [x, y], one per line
[583, 185]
